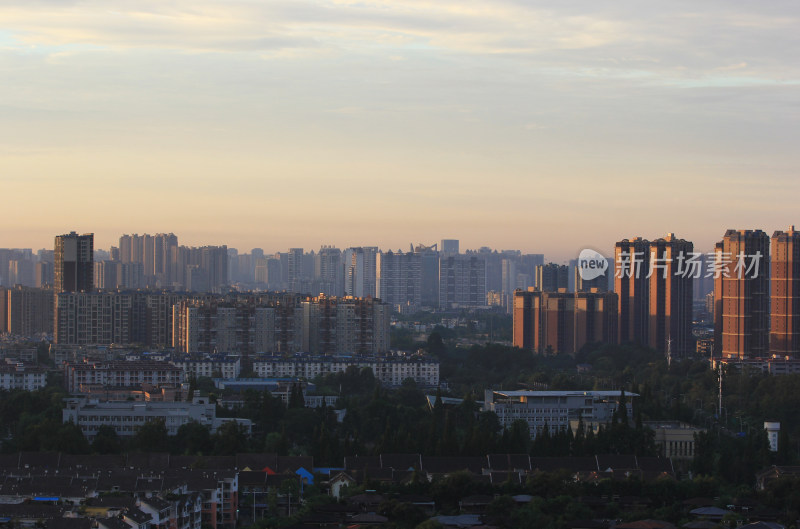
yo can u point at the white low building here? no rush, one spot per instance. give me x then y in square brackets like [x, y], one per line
[556, 409]
[120, 374]
[126, 417]
[213, 366]
[20, 376]
[388, 370]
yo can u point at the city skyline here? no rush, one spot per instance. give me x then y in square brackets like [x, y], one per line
[288, 124]
[607, 249]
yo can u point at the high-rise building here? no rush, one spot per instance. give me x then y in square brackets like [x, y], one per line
[462, 281]
[741, 294]
[508, 275]
[670, 297]
[399, 278]
[784, 337]
[296, 272]
[631, 266]
[603, 283]
[142, 317]
[328, 269]
[165, 246]
[155, 254]
[345, 325]
[105, 275]
[360, 271]
[448, 246]
[429, 263]
[281, 323]
[74, 267]
[563, 322]
[552, 277]
[29, 311]
[43, 274]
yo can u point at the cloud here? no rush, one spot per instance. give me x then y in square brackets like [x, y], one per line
[674, 41]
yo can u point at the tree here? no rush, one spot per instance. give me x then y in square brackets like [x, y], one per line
[436, 343]
[230, 439]
[192, 438]
[192, 388]
[69, 438]
[430, 524]
[106, 441]
[151, 437]
[296, 398]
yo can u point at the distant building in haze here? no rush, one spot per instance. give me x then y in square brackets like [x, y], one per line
[329, 270]
[462, 281]
[29, 311]
[429, 265]
[449, 246]
[552, 277]
[296, 271]
[74, 262]
[399, 278]
[360, 271]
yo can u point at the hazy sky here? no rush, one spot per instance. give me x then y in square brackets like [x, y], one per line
[543, 126]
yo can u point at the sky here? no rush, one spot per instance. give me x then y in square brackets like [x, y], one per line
[541, 126]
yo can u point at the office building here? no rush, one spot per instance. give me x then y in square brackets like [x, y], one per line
[741, 294]
[784, 339]
[74, 262]
[674, 439]
[556, 410]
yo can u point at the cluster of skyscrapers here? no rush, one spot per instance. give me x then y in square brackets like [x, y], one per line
[157, 261]
[756, 299]
[758, 315]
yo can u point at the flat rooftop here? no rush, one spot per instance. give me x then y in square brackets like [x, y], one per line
[566, 393]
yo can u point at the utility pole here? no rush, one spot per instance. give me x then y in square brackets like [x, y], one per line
[669, 351]
[720, 390]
